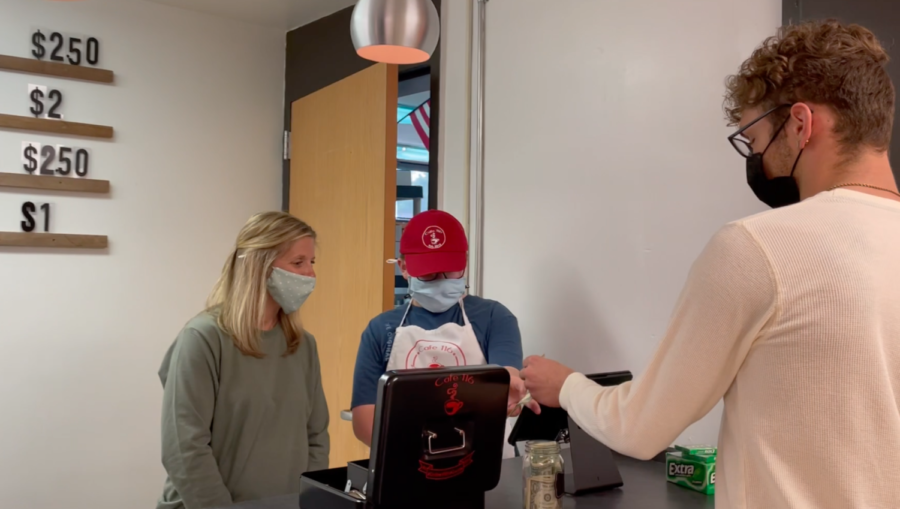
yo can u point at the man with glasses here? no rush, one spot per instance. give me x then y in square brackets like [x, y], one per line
[792, 315]
[441, 326]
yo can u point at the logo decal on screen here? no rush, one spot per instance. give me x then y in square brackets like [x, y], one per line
[442, 474]
[453, 405]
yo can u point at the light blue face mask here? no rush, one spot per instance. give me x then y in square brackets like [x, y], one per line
[289, 290]
[439, 295]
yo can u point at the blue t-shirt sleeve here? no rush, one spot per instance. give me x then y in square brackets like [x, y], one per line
[370, 366]
[504, 345]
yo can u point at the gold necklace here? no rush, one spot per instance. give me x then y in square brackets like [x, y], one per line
[832, 188]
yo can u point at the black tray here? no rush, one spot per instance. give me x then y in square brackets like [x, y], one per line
[325, 490]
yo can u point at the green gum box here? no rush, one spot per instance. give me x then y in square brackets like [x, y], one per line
[695, 472]
[697, 449]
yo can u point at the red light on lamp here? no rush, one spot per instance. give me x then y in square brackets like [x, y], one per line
[395, 31]
[393, 54]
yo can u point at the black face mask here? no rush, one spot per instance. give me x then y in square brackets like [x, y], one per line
[775, 192]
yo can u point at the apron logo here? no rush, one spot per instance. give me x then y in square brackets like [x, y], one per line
[434, 354]
[442, 474]
[434, 237]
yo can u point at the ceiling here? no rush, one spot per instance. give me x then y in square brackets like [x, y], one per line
[285, 14]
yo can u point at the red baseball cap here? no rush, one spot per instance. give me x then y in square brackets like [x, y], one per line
[434, 241]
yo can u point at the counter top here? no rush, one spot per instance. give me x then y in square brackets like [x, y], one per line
[645, 487]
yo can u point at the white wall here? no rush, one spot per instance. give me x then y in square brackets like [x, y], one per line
[607, 166]
[197, 108]
[453, 157]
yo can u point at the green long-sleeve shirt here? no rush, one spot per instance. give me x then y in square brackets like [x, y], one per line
[235, 427]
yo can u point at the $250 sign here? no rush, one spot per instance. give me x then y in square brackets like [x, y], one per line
[55, 160]
[65, 48]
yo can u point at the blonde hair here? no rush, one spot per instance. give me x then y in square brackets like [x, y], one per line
[239, 297]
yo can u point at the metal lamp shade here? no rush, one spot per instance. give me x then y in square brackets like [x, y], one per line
[395, 31]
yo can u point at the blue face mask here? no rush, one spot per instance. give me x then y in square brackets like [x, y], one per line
[439, 295]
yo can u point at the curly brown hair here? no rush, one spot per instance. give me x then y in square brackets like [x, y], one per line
[821, 62]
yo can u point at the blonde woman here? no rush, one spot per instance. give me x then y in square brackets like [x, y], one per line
[244, 413]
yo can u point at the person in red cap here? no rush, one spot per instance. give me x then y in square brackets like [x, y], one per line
[441, 326]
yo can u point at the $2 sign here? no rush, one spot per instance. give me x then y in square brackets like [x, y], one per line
[37, 93]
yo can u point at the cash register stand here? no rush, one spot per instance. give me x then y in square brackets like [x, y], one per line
[590, 466]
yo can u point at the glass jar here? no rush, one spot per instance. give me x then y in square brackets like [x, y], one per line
[542, 476]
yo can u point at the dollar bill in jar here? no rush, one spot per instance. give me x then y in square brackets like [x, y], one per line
[542, 475]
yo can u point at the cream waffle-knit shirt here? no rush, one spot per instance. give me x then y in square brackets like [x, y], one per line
[793, 316]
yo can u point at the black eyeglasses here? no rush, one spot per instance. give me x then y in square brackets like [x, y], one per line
[447, 275]
[742, 144]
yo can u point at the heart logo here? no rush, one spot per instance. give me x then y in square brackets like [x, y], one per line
[453, 406]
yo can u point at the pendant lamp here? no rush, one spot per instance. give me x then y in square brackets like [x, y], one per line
[395, 31]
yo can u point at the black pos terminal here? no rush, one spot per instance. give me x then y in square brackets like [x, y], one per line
[437, 443]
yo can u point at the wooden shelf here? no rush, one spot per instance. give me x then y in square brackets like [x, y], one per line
[64, 240]
[46, 125]
[76, 185]
[57, 69]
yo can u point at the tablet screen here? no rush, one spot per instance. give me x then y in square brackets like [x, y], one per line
[548, 425]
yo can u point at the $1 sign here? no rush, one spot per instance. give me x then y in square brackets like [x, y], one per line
[29, 211]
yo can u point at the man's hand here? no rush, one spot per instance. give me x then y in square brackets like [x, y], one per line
[544, 379]
[517, 391]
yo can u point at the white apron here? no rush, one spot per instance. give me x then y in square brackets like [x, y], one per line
[449, 345]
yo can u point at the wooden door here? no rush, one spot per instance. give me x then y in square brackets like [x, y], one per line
[343, 183]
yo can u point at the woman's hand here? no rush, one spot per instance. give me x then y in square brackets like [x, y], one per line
[517, 392]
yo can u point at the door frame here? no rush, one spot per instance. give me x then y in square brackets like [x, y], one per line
[321, 53]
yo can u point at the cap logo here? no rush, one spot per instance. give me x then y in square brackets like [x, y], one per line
[434, 237]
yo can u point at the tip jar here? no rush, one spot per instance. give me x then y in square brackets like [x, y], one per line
[542, 475]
